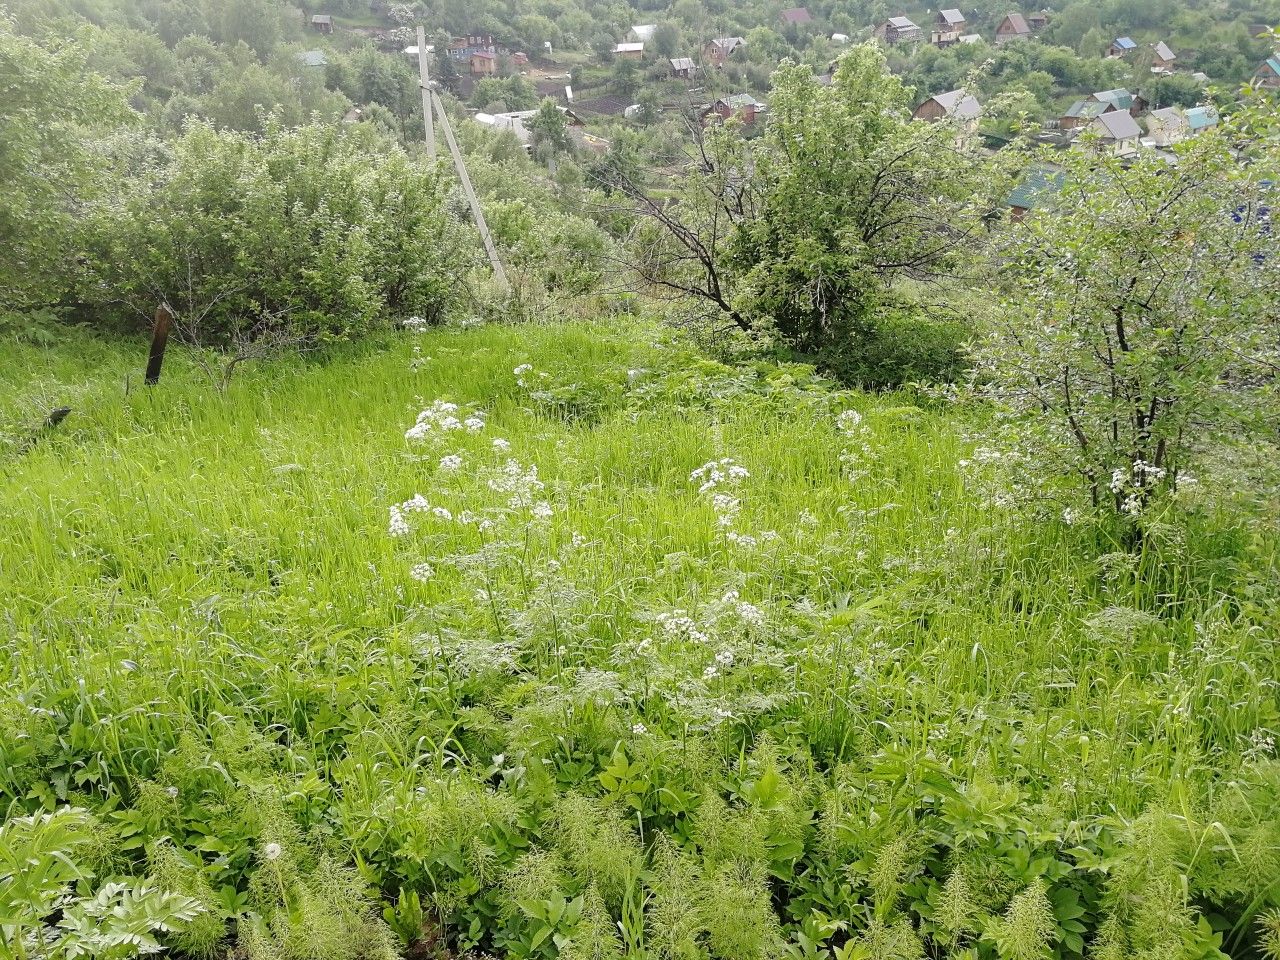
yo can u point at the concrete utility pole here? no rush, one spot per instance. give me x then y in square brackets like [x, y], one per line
[424, 81]
[476, 213]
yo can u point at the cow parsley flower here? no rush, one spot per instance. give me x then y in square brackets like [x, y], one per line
[452, 462]
[397, 526]
[422, 572]
[442, 513]
[501, 445]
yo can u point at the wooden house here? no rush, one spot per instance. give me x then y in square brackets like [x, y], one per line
[1121, 47]
[1013, 27]
[629, 51]
[741, 105]
[957, 106]
[795, 16]
[1037, 188]
[483, 64]
[717, 51]
[1122, 99]
[948, 28]
[1084, 112]
[683, 67]
[1038, 21]
[643, 32]
[322, 23]
[1163, 58]
[899, 30]
[1268, 75]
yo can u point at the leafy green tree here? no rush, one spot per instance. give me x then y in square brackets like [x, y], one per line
[625, 80]
[549, 129]
[853, 196]
[1141, 320]
[666, 40]
[51, 110]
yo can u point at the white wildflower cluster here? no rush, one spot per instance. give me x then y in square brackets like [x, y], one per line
[726, 473]
[522, 486]
[398, 524]
[502, 446]
[416, 324]
[727, 509]
[748, 613]
[422, 572]
[443, 417]
[451, 462]
[854, 458]
[718, 472]
[1136, 484]
[678, 626]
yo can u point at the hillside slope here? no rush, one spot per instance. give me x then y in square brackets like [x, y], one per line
[627, 652]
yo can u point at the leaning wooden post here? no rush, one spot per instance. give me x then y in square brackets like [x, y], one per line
[159, 339]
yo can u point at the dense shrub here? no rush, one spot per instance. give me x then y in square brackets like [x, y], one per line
[898, 346]
[313, 232]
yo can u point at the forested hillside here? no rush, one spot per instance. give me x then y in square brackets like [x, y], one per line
[739, 483]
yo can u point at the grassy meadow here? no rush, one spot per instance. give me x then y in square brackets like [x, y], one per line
[620, 653]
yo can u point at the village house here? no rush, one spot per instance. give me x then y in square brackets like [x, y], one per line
[313, 58]
[1084, 112]
[483, 64]
[1121, 47]
[1122, 99]
[1166, 127]
[899, 30]
[322, 23]
[741, 105]
[1038, 20]
[1038, 187]
[1164, 58]
[717, 51]
[1200, 119]
[683, 67]
[1012, 27]
[956, 105]
[1117, 133]
[519, 59]
[461, 48]
[514, 122]
[1268, 75]
[795, 16]
[643, 33]
[948, 28]
[629, 51]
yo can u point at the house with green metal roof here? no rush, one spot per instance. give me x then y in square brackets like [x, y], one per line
[1084, 112]
[1037, 188]
[1122, 99]
[1268, 75]
[1201, 118]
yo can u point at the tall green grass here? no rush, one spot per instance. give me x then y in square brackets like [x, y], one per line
[938, 726]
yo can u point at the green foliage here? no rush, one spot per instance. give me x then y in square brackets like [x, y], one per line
[853, 197]
[1139, 316]
[44, 860]
[50, 108]
[308, 233]
[883, 719]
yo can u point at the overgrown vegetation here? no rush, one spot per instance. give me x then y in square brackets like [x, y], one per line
[456, 626]
[660, 659]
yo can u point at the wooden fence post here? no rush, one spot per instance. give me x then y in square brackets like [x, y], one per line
[159, 339]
